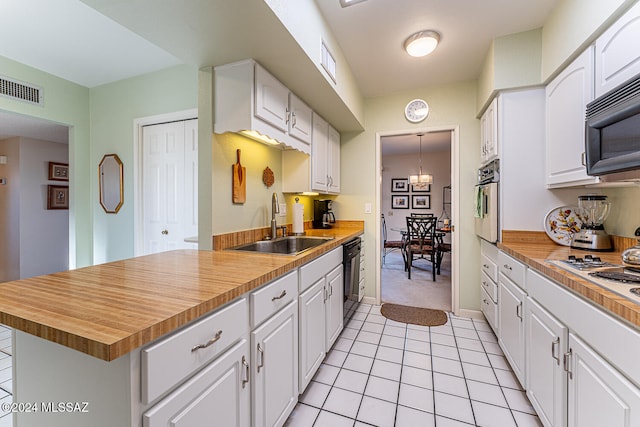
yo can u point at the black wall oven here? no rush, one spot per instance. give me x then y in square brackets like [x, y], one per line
[612, 133]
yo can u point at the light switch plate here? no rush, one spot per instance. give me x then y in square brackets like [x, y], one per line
[367, 208]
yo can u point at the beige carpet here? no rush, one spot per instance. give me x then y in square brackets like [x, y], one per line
[420, 291]
[413, 315]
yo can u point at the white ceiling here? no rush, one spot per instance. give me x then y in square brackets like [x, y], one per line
[93, 42]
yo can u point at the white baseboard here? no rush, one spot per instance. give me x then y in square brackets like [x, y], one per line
[369, 300]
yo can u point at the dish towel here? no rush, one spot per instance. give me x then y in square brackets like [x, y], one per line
[478, 203]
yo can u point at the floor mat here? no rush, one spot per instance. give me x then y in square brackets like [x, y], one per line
[414, 315]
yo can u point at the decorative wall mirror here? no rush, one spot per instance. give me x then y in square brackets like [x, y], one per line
[111, 183]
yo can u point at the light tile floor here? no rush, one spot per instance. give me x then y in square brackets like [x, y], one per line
[6, 385]
[384, 373]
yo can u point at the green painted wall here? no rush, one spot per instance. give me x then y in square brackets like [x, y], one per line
[450, 106]
[114, 107]
[66, 103]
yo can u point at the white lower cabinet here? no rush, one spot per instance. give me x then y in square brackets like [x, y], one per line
[219, 393]
[334, 307]
[598, 394]
[312, 335]
[511, 302]
[321, 305]
[546, 343]
[274, 368]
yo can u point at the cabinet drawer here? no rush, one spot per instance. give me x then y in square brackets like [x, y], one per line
[311, 272]
[272, 297]
[489, 267]
[490, 309]
[169, 361]
[513, 269]
[489, 287]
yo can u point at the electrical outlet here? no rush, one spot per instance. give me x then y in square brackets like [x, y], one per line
[367, 208]
[283, 209]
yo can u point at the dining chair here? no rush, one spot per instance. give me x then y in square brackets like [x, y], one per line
[421, 242]
[420, 215]
[389, 245]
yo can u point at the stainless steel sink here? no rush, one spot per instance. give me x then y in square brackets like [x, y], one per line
[290, 245]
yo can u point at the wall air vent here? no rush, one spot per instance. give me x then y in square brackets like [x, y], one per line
[15, 89]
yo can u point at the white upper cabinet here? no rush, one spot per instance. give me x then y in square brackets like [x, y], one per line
[489, 133]
[618, 52]
[299, 119]
[249, 98]
[566, 99]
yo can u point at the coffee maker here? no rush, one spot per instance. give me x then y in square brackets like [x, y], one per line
[322, 214]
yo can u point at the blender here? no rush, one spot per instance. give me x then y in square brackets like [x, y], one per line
[593, 209]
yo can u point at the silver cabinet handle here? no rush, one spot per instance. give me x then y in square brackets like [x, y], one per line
[485, 266]
[484, 283]
[330, 290]
[519, 310]
[245, 380]
[208, 343]
[583, 158]
[261, 351]
[554, 343]
[287, 115]
[282, 295]
[293, 119]
[565, 363]
[508, 267]
[165, 232]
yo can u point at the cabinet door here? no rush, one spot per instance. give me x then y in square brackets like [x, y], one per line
[319, 148]
[566, 100]
[617, 56]
[272, 99]
[217, 395]
[546, 342]
[334, 306]
[489, 133]
[598, 394]
[312, 333]
[511, 301]
[333, 157]
[300, 120]
[274, 358]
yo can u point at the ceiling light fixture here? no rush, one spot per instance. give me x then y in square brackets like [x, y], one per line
[345, 3]
[422, 43]
[421, 178]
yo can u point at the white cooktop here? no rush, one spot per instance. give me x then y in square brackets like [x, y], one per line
[619, 288]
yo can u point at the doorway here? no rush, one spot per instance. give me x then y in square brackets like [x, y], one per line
[398, 155]
[166, 188]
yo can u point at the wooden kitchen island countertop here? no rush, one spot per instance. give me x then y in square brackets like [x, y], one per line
[110, 309]
[534, 248]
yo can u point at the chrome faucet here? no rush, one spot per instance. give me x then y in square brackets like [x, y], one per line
[275, 209]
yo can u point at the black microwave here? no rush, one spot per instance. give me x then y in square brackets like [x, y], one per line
[612, 134]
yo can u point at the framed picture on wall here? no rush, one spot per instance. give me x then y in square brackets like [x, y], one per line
[57, 197]
[400, 202]
[421, 187]
[421, 201]
[399, 185]
[58, 171]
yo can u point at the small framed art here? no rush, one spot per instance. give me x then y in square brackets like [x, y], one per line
[58, 171]
[399, 185]
[400, 202]
[421, 201]
[57, 197]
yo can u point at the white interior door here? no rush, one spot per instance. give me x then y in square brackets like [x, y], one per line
[169, 186]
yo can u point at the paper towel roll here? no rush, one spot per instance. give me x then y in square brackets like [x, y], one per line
[298, 218]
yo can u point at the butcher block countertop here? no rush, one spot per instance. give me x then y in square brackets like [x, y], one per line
[110, 309]
[533, 249]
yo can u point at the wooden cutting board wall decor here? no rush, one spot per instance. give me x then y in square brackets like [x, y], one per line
[239, 181]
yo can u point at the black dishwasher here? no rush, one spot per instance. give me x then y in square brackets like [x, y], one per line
[351, 265]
